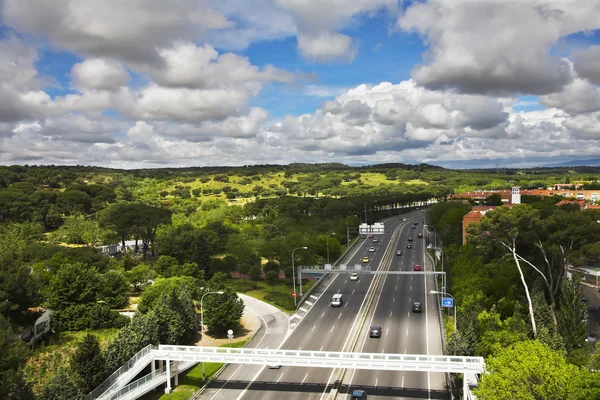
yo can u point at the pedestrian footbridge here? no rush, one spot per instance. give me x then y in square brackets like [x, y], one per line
[174, 359]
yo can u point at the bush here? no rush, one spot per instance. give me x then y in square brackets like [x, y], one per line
[241, 286]
[282, 300]
[87, 316]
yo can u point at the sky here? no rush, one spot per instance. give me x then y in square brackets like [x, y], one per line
[177, 83]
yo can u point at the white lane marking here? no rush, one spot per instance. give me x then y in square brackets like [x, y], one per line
[314, 327]
[409, 299]
[410, 289]
[408, 314]
[308, 302]
[396, 287]
[322, 314]
[303, 309]
[339, 316]
[314, 297]
[278, 379]
[390, 314]
[386, 331]
[345, 304]
[352, 291]
[339, 290]
[321, 349]
[376, 380]
[406, 331]
[394, 300]
[332, 328]
[402, 384]
[346, 281]
[305, 376]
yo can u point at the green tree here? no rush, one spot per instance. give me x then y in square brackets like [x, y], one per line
[89, 363]
[73, 284]
[222, 312]
[572, 324]
[176, 317]
[113, 289]
[272, 278]
[153, 292]
[140, 275]
[271, 266]
[63, 386]
[254, 274]
[13, 357]
[141, 332]
[531, 370]
[166, 266]
[493, 200]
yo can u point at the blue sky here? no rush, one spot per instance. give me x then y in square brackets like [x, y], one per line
[357, 82]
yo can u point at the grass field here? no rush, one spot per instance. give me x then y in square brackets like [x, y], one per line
[191, 381]
[262, 289]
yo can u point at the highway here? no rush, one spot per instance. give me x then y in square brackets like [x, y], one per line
[332, 328]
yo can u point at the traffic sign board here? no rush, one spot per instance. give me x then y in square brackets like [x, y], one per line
[293, 294]
[447, 302]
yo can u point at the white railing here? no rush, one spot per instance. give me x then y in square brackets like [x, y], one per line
[322, 359]
[114, 377]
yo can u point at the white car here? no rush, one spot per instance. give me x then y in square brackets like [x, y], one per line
[371, 249]
[354, 277]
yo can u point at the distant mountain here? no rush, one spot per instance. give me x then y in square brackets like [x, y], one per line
[594, 162]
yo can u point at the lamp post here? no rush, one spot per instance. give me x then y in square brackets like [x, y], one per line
[294, 273]
[348, 231]
[202, 323]
[454, 301]
[441, 251]
[328, 246]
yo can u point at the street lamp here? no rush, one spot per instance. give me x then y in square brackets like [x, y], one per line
[202, 323]
[454, 301]
[294, 273]
[348, 231]
[328, 247]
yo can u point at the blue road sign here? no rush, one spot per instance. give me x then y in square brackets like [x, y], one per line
[447, 302]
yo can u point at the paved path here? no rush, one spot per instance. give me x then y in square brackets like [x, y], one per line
[274, 327]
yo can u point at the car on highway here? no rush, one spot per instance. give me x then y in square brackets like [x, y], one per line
[371, 236]
[375, 240]
[417, 267]
[363, 237]
[358, 395]
[371, 249]
[410, 238]
[375, 331]
[413, 227]
[416, 307]
[420, 235]
[409, 246]
[403, 219]
[365, 259]
[354, 277]
[398, 252]
[273, 366]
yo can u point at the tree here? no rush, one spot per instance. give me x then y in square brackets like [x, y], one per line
[166, 266]
[63, 386]
[493, 200]
[89, 363]
[13, 357]
[175, 316]
[142, 331]
[254, 274]
[531, 370]
[140, 275]
[222, 312]
[572, 324]
[113, 289]
[271, 266]
[153, 292]
[73, 284]
[272, 278]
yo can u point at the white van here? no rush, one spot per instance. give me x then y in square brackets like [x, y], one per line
[336, 300]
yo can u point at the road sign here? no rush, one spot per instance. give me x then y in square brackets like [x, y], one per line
[293, 294]
[447, 302]
[230, 334]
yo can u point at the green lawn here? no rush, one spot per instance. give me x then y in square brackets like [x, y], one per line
[262, 289]
[191, 381]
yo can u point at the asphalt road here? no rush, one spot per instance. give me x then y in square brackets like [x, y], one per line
[330, 328]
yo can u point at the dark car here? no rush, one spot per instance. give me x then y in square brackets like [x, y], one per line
[398, 252]
[359, 395]
[420, 235]
[413, 227]
[363, 237]
[375, 331]
[416, 307]
[416, 223]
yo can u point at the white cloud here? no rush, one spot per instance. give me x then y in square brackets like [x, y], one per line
[495, 46]
[586, 63]
[127, 30]
[326, 47]
[578, 97]
[99, 74]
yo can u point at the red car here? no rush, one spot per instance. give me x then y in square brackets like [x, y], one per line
[420, 235]
[417, 267]
[371, 236]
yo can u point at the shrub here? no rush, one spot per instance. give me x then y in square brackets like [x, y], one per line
[283, 300]
[87, 316]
